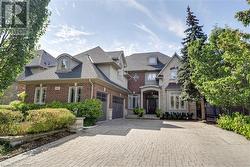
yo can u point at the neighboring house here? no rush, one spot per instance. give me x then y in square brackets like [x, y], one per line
[146, 80]
[153, 83]
[91, 74]
[40, 62]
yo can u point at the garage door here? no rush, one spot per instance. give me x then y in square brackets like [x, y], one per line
[103, 97]
[117, 107]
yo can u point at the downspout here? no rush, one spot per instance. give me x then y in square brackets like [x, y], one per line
[92, 89]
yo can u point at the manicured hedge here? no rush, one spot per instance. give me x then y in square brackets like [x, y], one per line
[177, 116]
[41, 120]
[235, 122]
[11, 123]
[91, 109]
[48, 119]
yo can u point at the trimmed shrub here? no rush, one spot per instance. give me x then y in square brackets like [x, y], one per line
[23, 107]
[139, 111]
[158, 113]
[235, 122]
[91, 109]
[6, 107]
[14, 104]
[48, 119]
[10, 122]
[8, 117]
[177, 116]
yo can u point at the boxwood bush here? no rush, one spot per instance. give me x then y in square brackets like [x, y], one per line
[48, 119]
[235, 122]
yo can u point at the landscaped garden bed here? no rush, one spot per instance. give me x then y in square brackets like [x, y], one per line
[26, 126]
[7, 151]
[236, 122]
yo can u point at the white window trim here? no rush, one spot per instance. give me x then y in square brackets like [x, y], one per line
[130, 103]
[151, 74]
[76, 93]
[174, 108]
[41, 95]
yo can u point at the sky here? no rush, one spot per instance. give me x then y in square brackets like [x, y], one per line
[131, 25]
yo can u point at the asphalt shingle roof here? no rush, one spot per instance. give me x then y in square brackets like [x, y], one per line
[85, 70]
[139, 61]
[43, 59]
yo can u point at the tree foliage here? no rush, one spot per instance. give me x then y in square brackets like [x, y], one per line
[17, 50]
[244, 16]
[221, 67]
[193, 32]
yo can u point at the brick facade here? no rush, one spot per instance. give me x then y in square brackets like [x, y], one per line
[57, 95]
[62, 94]
[134, 84]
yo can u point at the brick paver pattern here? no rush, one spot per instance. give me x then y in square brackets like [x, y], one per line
[145, 143]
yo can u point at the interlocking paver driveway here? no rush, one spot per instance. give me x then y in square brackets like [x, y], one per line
[147, 143]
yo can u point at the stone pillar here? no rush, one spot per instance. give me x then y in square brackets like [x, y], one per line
[141, 99]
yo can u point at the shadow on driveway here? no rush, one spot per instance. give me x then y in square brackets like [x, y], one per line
[122, 127]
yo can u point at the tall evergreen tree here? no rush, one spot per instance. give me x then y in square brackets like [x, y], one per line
[193, 32]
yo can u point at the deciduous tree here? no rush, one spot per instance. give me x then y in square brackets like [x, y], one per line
[17, 50]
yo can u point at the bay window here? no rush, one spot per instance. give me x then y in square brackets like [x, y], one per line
[176, 102]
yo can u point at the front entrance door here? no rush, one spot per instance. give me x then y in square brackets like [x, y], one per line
[151, 106]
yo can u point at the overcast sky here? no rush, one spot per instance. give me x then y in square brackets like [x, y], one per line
[131, 25]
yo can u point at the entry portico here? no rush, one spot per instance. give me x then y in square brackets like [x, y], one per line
[150, 98]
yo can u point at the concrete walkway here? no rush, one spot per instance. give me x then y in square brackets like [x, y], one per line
[143, 143]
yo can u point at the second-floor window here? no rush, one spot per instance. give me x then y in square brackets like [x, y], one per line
[173, 73]
[64, 64]
[151, 76]
[75, 93]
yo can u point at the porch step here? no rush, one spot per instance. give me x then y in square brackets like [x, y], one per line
[147, 116]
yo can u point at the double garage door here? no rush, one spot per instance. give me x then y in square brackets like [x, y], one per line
[117, 106]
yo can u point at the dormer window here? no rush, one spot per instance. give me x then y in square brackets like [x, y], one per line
[152, 61]
[65, 64]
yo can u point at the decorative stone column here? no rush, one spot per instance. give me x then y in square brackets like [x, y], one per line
[141, 99]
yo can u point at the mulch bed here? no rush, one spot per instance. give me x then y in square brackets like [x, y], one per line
[33, 144]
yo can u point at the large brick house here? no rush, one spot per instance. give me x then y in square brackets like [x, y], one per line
[146, 80]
